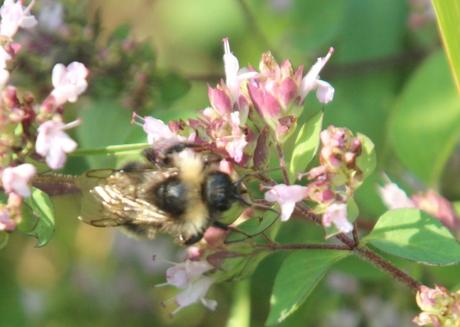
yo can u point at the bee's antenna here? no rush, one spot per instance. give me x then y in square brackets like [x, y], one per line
[247, 175]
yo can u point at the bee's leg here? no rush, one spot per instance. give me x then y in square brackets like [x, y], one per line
[133, 166]
[220, 225]
[194, 239]
[150, 155]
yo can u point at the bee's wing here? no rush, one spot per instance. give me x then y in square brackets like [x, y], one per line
[114, 198]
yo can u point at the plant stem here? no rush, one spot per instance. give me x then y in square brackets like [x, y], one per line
[388, 267]
[366, 253]
[111, 149]
[280, 152]
[303, 246]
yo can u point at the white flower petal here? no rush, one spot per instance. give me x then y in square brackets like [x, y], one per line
[16, 179]
[394, 197]
[287, 208]
[69, 82]
[194, 292]
[324, 92]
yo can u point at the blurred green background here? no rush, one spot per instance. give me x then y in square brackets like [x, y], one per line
[392, 83]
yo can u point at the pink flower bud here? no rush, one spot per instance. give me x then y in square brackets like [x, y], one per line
[215, 236]
[16, 179]
[220, 101]
[6, 223]
[287, 92]
[265, 103]
[438, 207]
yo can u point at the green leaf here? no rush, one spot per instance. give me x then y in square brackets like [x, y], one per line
[426, 125]
[306, 144]
[367, 160]
[296, 279]
[412, 234]
[448, 16]
[171, 87]
[372, 29]
[104, 123]
[240, 314]
[41, 208]
[3, 239]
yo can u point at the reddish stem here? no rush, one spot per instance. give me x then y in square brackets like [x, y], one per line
[283, 167]
[303, 246]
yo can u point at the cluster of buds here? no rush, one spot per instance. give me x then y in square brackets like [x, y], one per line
[430, 202]
[439, 307]
[330, 185]
[30, 130]
[246, 102]
[333, 182]
[278, 92]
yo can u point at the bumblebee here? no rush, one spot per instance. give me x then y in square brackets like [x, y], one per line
[182, 194]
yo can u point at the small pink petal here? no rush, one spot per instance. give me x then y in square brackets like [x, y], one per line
[286, 196]
[220, 101]
[394, 197]
[336, 214]
[309, 82]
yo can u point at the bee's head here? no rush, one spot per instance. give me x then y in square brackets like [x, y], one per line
[219, 191]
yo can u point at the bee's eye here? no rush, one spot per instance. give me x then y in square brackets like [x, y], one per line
[171, 196]
[218, 191]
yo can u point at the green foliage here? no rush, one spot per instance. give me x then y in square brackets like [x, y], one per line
[367, 160]
[103, 123]
[448, 16]
[412, 234]
[38, 217]
[306, 145]
[383, 34]
[426, 125]
[298, 276]
[3, 239]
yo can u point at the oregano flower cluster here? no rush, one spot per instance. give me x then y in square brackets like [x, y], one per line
[264, 133]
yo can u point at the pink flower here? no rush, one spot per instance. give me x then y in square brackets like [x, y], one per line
[4, 57]
[181, 274]
[311, 81]
[14, 15]
[336, 214]
[68, 82]
[53, 144]
[438, 207]
[394, 197]
[4, 73]
[233, 75]
[286, 196]
[439, 307]
[16, 179]
[194, 292]
[6, 223]
[159, 135]
[188, 276]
